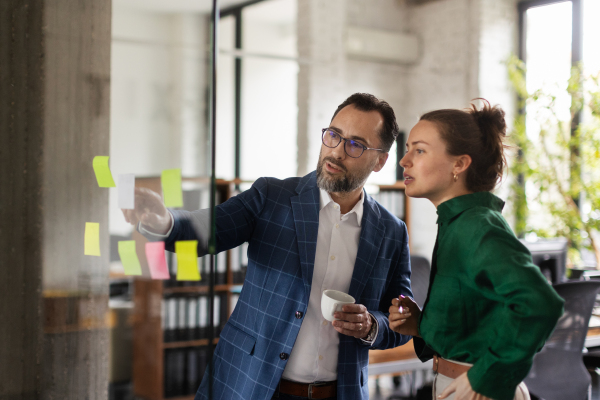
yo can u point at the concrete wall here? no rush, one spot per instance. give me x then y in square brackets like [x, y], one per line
[462, 42]
[54, 118]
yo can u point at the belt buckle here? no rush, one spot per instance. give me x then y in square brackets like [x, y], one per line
[436, 361]
[311, 386]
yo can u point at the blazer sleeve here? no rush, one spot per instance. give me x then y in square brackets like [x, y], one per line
[235, 221]
[502, 269]
[399, 284]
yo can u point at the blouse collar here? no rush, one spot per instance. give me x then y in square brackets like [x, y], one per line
[457, 205]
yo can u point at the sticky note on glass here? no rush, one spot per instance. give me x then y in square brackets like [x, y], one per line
[129, 258]
[92, 239]
[157, 262]
[171, 187]
[187, 260]
[103, 175]
[126, 190]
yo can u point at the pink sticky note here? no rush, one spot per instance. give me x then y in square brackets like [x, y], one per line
[155, 254]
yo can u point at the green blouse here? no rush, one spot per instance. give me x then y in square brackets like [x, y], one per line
[489, 305]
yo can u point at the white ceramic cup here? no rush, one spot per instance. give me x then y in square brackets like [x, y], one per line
[332, 301]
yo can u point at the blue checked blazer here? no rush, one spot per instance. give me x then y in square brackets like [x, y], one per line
[280, 219]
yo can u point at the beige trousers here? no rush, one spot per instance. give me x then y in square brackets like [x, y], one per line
[441, 382]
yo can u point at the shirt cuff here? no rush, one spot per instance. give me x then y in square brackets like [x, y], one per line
[376, 324]
[146, 232]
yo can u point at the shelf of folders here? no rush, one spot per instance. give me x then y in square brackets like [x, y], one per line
[393, 199]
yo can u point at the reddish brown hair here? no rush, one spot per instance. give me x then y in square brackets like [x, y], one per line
[479, 133]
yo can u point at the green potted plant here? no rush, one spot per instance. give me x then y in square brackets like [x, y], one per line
[557, 172]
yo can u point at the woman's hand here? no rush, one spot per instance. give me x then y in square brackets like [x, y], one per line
[461, 387]
[404, 316]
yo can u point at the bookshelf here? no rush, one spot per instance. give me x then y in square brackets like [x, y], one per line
[163, 334]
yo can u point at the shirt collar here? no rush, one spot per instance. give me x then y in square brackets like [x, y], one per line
[453, 207]
[325, 199]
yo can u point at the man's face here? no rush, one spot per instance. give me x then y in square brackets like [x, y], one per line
[336, 171]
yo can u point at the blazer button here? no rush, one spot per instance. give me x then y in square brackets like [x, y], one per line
[299, 314]
[284, 356]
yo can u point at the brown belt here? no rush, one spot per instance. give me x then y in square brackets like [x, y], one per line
[309, 390]
[448, 368]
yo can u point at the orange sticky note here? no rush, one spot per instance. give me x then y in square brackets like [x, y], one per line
[92, 239]
[157, 262]
[187, 260]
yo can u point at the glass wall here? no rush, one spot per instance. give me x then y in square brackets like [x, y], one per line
[160, 121]
[160, 124]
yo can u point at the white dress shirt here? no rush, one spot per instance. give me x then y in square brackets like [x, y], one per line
[314, 356]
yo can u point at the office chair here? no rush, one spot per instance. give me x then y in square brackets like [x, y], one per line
[419, 278]
[419, 283]
[558, 372]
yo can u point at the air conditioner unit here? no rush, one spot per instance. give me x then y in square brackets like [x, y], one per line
[379, 45]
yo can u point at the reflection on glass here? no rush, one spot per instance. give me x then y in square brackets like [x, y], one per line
[226, 101]
[159, 345]
[269, 118]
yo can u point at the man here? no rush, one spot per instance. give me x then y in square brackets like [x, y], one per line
[305, 235]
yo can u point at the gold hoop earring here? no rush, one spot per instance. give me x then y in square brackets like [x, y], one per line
[455, 178]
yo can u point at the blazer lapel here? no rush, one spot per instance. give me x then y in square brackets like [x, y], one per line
[305, 208]
[371, 238]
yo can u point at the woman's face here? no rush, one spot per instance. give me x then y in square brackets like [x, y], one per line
[428, 168]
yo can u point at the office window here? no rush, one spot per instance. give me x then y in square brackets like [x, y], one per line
[257, 91]
[556, 37]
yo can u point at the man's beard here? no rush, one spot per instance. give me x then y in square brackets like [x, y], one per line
[345, 184]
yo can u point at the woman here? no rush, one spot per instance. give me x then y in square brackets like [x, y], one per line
[488, 309]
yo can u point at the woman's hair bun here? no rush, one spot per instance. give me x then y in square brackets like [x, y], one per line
[491, 121]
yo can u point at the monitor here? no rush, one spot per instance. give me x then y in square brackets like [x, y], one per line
[550, 255]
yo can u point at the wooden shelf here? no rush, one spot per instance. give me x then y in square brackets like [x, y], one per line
[188, 343]
[399, 185]
[196, 289]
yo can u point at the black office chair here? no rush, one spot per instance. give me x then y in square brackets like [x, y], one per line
[419, 278]
[558, 372]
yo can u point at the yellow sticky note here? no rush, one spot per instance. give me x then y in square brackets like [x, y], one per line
[102, 170]
[129, 258]
[171, 187]
[92, 239]
[187, 260]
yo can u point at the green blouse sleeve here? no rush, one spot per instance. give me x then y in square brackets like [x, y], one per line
[501, 269]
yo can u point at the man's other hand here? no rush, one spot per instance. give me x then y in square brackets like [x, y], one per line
[354, 320]
[150, 211]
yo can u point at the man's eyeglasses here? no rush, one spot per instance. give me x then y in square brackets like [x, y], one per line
[353, 148]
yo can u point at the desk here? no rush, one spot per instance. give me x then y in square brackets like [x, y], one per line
[593, 337]
[404, 358]
[398, 359]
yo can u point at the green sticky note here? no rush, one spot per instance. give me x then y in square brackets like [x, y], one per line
[171, 187]
[129, 258]
[103, 175]
[187, 260]
[92, 239]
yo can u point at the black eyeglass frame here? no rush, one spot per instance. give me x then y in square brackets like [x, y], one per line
[345, 142]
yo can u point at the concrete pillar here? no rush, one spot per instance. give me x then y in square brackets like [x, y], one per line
[321, 76]
[54, 118]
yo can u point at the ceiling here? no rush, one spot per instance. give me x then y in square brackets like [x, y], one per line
[175, 6]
